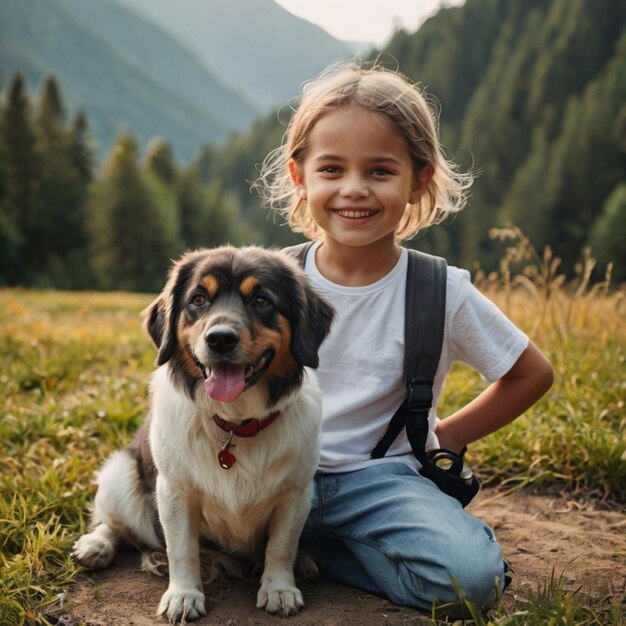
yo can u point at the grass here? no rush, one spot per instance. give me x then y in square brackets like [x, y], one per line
[73, 373]
[74, 366]
[574, 437]
[550, 605]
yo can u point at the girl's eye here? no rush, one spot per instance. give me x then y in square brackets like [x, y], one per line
[382, 171]
[199, 300]
[330, 169]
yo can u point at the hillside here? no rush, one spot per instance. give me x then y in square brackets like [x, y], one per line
[125, 72]
[532, 98]
[255, 45]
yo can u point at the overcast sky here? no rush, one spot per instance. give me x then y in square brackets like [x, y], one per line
[363, 20]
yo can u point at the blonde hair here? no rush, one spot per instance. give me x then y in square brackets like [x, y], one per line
[378, 90]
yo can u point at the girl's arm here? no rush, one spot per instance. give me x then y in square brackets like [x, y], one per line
[500, 403]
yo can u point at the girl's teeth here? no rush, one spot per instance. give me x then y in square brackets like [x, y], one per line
[355, 214]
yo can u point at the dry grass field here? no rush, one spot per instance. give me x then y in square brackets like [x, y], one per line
[74, 368]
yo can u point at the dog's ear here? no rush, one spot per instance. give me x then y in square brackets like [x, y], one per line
[161, 317]
[157, 324]
[154, 320]
[313, 322]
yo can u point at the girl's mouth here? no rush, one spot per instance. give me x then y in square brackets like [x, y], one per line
[355, 213]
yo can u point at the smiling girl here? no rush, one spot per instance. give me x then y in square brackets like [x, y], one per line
[361, 169]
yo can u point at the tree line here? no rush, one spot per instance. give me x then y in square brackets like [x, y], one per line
[65, 225]
[532, 99]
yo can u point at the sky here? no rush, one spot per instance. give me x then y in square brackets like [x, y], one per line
[361, 20]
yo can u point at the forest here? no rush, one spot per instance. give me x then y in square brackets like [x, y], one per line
[532, 98]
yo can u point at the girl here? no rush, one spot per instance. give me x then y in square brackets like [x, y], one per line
[361, 169]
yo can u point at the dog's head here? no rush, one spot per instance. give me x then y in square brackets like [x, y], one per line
[236, 318]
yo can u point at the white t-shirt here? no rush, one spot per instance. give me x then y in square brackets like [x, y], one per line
[361, 362]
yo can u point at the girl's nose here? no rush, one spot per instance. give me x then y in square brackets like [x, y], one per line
[355, 187]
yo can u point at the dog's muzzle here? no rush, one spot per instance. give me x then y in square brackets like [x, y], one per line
[225, 376]
[222, 339]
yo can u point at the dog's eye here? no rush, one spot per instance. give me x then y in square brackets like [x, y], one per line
[261, 302]
[199, 300]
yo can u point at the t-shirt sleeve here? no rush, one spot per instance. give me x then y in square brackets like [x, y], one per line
[480, 335]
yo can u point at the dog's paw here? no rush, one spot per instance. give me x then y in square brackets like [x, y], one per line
[283, 599]
[180, 605]
[306, 568]
[94, 550]
[154, 562]
[218, 565]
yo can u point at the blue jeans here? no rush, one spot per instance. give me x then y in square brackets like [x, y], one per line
[388, 531]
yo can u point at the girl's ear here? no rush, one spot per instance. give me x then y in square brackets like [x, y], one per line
[298, 178]
[296, 175]
[420, 183]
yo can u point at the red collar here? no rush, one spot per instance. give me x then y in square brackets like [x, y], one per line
[249, 427]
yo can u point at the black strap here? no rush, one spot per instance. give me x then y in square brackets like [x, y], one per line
[423, 337]
[299, 251]
[425, 313]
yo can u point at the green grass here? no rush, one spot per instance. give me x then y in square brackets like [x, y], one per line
[74, 368]
[550, 605]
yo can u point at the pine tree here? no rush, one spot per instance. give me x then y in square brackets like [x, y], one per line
[584, 163]
[134, 226]
[207, 213]
[191, 200]
[80, 173]
[160, 160]
[18, 206]
[65, 174]
[80, 150]
[607, 237]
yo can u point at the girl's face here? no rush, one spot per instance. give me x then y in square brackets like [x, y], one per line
[357, 177]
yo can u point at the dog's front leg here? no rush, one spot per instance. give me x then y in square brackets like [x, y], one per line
[278, 592]
[184, 599]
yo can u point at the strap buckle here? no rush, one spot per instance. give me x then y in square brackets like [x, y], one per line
[419, 394]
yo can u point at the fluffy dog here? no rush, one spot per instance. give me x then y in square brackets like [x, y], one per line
[230, 445]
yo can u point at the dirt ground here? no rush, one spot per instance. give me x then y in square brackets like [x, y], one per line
[585, 543]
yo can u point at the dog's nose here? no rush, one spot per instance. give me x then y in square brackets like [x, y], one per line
[222, 338]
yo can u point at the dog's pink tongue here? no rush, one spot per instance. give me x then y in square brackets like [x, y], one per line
[226, 382]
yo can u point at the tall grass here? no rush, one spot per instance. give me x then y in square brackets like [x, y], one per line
[575, 436]
[74, 367]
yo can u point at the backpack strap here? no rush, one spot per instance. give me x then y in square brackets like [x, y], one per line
[424, 324]
[425, 314]
[424, 320]
[299, 251]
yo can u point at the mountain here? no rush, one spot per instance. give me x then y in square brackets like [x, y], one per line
[255, 45]
[532, 97]
[125, 72]
[164, 59]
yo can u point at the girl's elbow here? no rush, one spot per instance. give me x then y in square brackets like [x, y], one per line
[545, 375]
[538, 370]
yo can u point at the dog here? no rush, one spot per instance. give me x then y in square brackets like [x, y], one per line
[228, 449]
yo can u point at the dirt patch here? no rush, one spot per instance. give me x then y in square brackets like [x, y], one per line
[582, 541]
